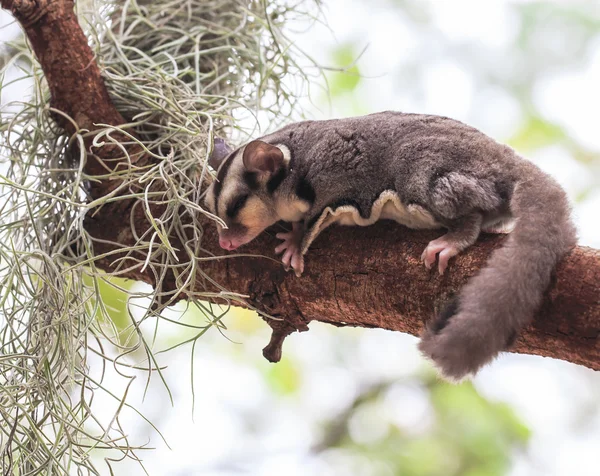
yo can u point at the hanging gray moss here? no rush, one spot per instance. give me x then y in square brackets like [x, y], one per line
[182, 72]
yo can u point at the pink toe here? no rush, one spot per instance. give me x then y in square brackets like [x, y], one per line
[445, 250]
[429, 254]
[298, 263]
[429, 260]
[287, 257]
[444, 257]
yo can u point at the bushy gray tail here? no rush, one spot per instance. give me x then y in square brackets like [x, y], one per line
[496, 303]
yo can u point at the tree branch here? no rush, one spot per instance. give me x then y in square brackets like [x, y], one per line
[367, 277]
[372, 277]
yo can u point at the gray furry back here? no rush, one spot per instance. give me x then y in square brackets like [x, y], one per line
[429, 171]
[503, 297]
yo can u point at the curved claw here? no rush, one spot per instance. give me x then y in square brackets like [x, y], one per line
[446, 251]
[287, 257]
[298, 263]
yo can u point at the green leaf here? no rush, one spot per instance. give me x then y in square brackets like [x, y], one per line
[284, 377]
[536, 132]
[348, 79]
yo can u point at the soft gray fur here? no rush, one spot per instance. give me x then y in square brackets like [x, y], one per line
[467, 182]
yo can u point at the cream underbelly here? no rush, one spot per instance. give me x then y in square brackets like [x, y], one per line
[387, 206]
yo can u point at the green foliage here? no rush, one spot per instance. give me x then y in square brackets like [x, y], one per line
[113, 296]
[347, 78]
[467, 434]
[536, 132]
[344, 78]
[283, 378]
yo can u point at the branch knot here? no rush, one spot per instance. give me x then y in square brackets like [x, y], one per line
[30, 12]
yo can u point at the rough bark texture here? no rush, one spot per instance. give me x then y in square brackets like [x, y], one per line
[372, 277]
[368, 277]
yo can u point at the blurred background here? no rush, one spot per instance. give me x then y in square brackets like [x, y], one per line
[364, 402]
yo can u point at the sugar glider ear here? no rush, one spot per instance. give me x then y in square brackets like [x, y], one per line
[220, 150]
[262, 157]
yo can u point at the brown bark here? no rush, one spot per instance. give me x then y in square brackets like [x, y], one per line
[367, 277]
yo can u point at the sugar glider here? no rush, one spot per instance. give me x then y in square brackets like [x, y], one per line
[423, 171]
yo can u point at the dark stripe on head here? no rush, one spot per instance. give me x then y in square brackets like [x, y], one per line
[251, 180]
[275, 181]
[236, 229]
[305, 191]
[221, 176]
[236, 205]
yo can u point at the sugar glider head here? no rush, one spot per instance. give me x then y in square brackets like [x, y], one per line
[242, 194]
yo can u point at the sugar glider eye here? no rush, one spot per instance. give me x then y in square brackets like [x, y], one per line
[236, 205]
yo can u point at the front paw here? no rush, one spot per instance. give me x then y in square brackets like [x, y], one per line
[292, 256]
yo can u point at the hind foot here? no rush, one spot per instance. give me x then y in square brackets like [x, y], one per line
[446, 250]
[463, 233]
